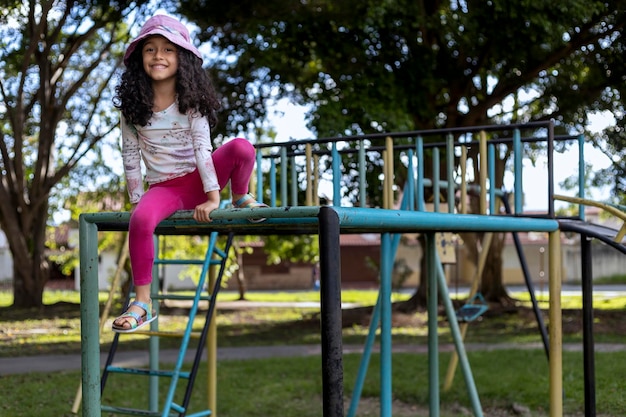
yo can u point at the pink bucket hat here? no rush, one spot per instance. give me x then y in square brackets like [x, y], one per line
[167, 27]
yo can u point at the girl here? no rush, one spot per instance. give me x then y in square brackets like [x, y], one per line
[168, 106]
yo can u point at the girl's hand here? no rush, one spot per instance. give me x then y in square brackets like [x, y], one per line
[202, 212]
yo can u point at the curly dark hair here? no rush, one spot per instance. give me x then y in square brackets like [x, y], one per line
[195, 91]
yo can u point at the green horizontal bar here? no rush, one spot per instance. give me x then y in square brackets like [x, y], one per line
[147, 372]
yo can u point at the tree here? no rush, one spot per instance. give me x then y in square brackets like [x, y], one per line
[370, 66]
[56, 63]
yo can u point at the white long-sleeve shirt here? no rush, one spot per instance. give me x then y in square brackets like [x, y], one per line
[171, 145]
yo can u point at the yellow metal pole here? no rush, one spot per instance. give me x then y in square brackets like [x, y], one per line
[555, 332]
[316, 180]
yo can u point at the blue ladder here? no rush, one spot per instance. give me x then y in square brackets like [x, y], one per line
[171, 408]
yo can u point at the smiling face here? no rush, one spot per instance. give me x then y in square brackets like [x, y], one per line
[160, 58]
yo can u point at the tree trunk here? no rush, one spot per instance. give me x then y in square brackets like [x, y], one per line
[31, 270]
[240, 276]
[491, 285]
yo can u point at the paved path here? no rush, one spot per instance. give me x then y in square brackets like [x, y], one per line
[55, 363]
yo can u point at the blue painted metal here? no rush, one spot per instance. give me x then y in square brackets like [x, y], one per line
[433, 325]
[337, 174]
[273, 183]
[294, 182]
[409, 189]
[369, 220]
[458, 341]
[362, 175]
[386, 269]
[491, 161]
[419, 145]
[518, 193]
[284, 201]
[259, 176]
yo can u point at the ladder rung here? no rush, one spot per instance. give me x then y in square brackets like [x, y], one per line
[133, 411]
[185, 262]
[179, 297]
[149, 372]
[159, 333]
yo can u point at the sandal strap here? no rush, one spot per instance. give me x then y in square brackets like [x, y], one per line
[131, 314]
[145, 307]
[248, 201]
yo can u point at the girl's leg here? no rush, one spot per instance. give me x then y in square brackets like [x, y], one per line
[158, 203]
[234, 162]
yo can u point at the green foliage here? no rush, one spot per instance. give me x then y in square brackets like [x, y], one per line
[57, 61]
[288, 249]
[370, 66]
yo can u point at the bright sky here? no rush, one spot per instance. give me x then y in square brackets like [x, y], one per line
[292, 125]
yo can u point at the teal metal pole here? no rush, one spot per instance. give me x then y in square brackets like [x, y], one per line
[411, 181]
[336, 169]
[385, 325]
[365, 359]
[283, 177]
[433, 337]
[259, 176]
[294, 182]
[458, 341]
[420, 173]
[153, 360]
[374, 323]
[273, 183]
[518, 157]
[89, 318]
[362, 176]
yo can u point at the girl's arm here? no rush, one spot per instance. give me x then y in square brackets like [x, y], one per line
[131, 158]
[202, 147]
[202, 212]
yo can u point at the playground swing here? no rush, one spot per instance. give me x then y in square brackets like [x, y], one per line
[475, 307]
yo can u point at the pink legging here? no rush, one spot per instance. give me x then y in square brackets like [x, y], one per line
[234, 162]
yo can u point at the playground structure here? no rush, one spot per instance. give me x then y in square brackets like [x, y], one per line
[294, 176]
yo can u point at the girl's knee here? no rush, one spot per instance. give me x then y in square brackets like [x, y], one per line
[241, 147]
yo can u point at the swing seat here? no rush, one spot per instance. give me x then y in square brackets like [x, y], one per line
[474, 308]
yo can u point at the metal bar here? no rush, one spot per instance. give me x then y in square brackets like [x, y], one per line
[457, 337]
[89, 313]
[556, 326]
[330, 306]
[386, 268]
[433, 337]
[581, 175]
[518, 188]
[588, 342]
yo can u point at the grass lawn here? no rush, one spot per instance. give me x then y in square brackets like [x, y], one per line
[506, 380]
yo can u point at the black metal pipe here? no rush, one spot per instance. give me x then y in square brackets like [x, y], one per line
[588, 343]
[330, 308]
